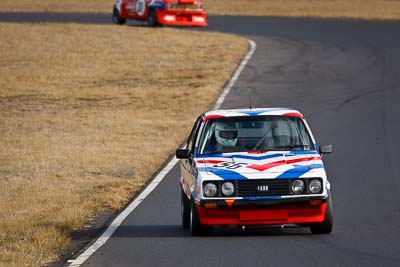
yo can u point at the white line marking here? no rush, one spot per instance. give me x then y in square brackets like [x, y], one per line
[236, 75]
[122, 216]
[139, 199]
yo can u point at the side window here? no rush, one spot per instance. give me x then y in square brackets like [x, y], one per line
[303, 134]
[193, 134]
[206, 138]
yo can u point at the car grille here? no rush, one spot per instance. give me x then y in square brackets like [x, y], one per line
[264, 187]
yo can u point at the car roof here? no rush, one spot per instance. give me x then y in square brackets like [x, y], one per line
[222, 113]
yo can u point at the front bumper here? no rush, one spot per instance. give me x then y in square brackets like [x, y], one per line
[262, 212]
[181, 18]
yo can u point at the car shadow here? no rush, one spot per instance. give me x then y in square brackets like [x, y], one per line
[177, 231]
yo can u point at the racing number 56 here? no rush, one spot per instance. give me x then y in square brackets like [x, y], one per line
[140, 7]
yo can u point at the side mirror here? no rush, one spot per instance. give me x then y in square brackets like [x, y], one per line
[325, 149]
[182, 153]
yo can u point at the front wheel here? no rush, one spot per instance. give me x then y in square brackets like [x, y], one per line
[116, 17]
[195, 227]
[326, 226]
[152, 19]
[185, 210]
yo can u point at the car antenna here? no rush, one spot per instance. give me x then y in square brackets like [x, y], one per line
[251, 105]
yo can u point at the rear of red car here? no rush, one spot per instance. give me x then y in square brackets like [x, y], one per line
[180, 12]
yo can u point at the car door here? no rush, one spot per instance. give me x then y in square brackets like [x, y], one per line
[188, 166]
[127, 8]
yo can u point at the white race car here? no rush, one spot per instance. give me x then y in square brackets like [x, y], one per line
[254, 167]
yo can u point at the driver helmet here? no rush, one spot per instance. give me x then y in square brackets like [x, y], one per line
[226, 133]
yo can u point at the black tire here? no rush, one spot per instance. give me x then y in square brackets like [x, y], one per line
[185, 210]
[195, 227]
[326, 226]
[116, 18]
[152, 19]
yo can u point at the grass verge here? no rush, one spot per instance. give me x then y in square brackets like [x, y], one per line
[358, 9]
[87, 114]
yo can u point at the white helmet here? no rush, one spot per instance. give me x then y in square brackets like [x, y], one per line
[226, 133]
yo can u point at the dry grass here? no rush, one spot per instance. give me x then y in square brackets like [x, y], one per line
[364, 9]
[95, 6]
[87, 114]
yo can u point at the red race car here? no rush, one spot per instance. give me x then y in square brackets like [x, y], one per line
[161, 12]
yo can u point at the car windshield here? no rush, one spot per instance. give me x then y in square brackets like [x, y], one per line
[254, 133]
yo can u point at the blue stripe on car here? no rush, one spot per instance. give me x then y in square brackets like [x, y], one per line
[297, 172]
[157, 5]
[223, 173]
[253, 112]
[262, 197]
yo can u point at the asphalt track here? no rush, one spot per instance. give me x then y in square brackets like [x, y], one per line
[344, 75]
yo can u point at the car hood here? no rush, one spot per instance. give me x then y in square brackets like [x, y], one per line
[268, 165]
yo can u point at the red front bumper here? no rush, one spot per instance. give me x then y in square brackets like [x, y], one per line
[283, 214]
[181, 18]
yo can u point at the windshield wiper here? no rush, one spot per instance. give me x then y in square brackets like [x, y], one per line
[262, 139]
[291, 146]
[222, 151]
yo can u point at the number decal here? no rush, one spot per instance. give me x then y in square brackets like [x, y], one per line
[140, 7]
[230, 165]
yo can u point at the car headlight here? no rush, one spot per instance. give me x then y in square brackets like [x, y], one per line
[210, 190]
[315, 186]
[297, 186]
[228, 189]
